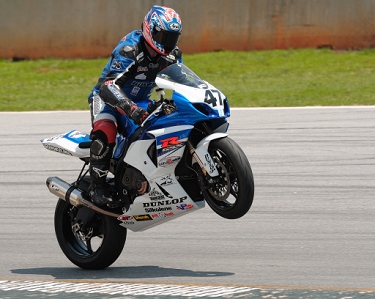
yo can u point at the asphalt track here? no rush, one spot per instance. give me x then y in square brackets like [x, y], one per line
[309, 234]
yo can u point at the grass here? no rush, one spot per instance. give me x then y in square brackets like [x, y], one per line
[303, 77]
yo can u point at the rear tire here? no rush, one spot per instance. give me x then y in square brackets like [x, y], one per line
[95, 247]
[232, 196]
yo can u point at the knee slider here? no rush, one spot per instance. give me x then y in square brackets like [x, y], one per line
[98, 147]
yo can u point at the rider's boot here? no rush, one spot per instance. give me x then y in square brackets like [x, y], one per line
[100, 158]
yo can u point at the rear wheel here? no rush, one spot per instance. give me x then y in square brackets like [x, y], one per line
[231, 196]
[93, 246]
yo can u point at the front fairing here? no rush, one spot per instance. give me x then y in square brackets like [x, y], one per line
[188, 87]
[196, 101]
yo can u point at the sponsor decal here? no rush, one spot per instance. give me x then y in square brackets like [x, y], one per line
[57, 149]
[170, 58]
[125, 217]
[116, 65]
[97, 104]
[142, 69]
[171, 148]
[203, 86]
[142, 217]
[55, 137]
[54, 187]
[174, 26]
[153, 65]
[115, 91]
[135, 91]
[167, 202]
[169, 161]
[169, 141]
[184, 206]
[156, 195]
[162, 215]
[167, 180]
[141, 77]
[76, 134]
[99, 172]
[140, 58]
[143, 84]
[153, 210]
[128, 48]
[210, 163]
[128, 222]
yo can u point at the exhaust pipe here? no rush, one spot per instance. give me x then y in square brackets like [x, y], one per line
[72, 195]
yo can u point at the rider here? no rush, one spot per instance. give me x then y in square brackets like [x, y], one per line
[127, 79]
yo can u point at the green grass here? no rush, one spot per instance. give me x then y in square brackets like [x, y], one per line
[303, 77]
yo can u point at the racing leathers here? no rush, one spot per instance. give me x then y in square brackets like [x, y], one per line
[121, 95]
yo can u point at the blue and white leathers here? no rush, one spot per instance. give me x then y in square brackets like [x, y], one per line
[129, 74]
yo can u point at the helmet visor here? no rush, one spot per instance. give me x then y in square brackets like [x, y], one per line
[167, 39]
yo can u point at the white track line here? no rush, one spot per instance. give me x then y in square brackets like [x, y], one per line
[122, 288]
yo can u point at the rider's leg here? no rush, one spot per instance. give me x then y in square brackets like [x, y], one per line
[103, 136]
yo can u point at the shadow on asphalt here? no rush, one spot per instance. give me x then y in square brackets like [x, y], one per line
[118, 272]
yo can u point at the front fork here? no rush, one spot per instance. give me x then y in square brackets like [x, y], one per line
[204, 159]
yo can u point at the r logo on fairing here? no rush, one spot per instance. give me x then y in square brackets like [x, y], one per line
[169, 141]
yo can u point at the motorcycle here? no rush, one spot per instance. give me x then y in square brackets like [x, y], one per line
[183, 153]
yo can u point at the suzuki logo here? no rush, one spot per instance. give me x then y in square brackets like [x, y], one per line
[169, 141]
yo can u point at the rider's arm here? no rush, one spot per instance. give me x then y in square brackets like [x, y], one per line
[120, 71]
[114, 96]
[111, 93]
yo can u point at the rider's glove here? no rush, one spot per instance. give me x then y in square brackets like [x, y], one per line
[153, 106]
[128, 108]
[124, 106]
[138, 114]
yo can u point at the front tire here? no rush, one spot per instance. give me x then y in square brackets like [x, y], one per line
[232, 195]
[97, 246]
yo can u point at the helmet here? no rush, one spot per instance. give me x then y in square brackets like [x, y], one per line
[161, 29]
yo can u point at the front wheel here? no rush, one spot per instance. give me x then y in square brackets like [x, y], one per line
[231, 196]
[95, 246]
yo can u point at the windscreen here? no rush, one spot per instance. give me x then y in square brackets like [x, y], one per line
[181, 74]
